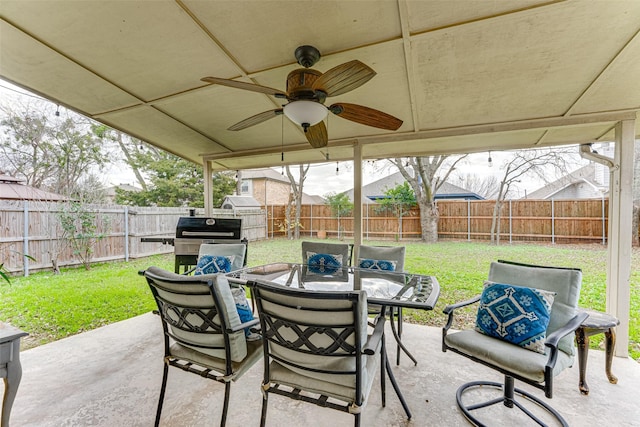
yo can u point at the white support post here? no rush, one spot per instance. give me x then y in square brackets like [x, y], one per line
[208, 189]
[619, 247]
[357, 199]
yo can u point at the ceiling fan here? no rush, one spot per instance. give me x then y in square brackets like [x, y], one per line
[307, 90]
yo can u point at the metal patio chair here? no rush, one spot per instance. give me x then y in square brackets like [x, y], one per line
[202, 329]
[317, 350]
[508, 293]
[386, 258]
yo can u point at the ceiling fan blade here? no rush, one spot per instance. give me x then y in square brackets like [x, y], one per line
[246, 86]
[258, 118]
[317, 135]
[366, 116]
[343, 78]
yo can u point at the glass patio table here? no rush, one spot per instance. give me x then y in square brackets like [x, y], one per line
[389, 289]
[386, 290]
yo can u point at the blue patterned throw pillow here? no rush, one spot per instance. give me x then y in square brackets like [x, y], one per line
[516, 314]
[324, 263]
[212, 264]
[377, 264]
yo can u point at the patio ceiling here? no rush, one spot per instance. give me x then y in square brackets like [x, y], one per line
[463, 75]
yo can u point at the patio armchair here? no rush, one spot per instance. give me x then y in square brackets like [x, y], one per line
[385, 259]
[202, 329]
[527, 316]
[316, 347]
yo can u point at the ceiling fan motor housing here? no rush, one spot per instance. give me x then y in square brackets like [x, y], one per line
[300, 85]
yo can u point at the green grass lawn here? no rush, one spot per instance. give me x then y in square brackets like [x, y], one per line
[51, 307]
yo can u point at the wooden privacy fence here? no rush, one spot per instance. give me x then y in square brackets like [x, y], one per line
[556, 221]
[34, 228]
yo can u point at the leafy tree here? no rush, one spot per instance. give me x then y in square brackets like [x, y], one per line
[56, 153]
[165, 179]
[130, 147]
[340, 206]
[426, 175]
[399, 199]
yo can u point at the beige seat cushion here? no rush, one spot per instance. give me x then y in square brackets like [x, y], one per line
[510, 357]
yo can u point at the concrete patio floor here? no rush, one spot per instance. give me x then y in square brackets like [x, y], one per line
[111, 377]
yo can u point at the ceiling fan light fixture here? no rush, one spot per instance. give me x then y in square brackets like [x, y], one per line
[305, 113]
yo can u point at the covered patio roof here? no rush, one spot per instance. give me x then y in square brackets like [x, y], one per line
[463, 76]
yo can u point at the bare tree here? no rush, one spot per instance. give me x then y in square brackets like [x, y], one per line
[426, 175]
[293, 225]
[525, 163]
[486, 186]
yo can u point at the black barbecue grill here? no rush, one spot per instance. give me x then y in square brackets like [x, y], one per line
[193, 231]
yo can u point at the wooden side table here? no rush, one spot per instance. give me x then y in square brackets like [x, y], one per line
[596, 323]
[10, 368]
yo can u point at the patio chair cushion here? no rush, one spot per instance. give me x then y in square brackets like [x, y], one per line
[212, 264]
[334, 385]
[254, 353]
[516, 314]
[320, 263]
[528, 364]
[377, 264]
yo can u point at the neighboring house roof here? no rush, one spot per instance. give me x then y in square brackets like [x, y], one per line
[308, 199]
[273, 175]
[240, 202]
[375, 190]
[111, 191]
[568, 185]
[12, 188]
[264, 173]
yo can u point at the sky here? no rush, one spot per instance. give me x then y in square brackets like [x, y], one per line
[322, 178]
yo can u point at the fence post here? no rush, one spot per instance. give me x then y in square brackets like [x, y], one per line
[126, 233]
[25, 241]
[272, 230]
[366, 222]
[311, 219]
[266, 221]
[510, 224]
[553, 223]
[604, 228]
[468, 220]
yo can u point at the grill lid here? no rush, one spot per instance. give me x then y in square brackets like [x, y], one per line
[191, 227]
